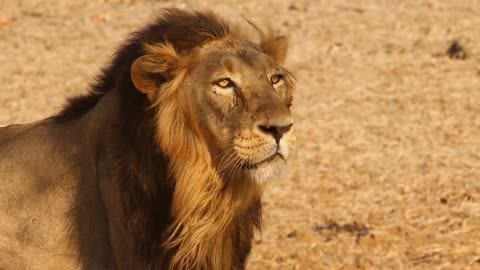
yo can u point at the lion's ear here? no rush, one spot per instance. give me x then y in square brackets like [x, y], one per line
[160, 64]
[276, 47]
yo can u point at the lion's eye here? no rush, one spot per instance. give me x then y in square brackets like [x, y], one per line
[224, 83]
[276, 78]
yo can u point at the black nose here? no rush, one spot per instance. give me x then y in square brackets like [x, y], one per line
[275, 131]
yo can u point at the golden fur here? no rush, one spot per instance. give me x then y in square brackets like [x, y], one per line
[195, 154]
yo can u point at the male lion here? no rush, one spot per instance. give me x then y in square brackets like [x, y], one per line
[161, 165]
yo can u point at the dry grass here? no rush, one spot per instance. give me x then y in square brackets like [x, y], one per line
[388, 168]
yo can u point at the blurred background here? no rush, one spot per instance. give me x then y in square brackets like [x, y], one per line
[387, 173]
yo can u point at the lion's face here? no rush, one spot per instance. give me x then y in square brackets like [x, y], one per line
[233, 94]
[244, 100]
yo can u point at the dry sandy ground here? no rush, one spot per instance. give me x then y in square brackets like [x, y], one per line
[387, 174]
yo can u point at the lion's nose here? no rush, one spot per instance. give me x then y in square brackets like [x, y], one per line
[275, 131]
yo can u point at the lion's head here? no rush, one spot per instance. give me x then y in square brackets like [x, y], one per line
[232, 94]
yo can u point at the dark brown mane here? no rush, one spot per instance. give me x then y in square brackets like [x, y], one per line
[184, 30]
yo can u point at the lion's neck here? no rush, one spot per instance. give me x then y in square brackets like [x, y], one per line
[213, 222]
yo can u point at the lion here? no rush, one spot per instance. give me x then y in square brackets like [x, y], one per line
[162, 164]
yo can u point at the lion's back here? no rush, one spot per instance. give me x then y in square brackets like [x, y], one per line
[38, 189]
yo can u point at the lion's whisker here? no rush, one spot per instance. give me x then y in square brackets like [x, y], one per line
[230, 159]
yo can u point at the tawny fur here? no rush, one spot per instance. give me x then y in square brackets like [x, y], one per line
[150, 167]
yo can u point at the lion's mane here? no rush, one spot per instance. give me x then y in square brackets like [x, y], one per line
[179, 209]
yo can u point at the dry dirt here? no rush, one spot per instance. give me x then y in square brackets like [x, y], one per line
[387, 174]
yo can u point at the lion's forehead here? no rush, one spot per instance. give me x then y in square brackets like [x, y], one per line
[236, 59]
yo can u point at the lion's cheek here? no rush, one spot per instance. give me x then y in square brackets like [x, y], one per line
[222, 100]
[217, 129]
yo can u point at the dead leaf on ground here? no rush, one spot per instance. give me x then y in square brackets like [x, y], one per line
[5, 22]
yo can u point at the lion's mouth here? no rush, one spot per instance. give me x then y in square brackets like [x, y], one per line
[253, 166]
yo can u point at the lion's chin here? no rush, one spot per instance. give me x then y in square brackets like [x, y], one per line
[265, 171]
